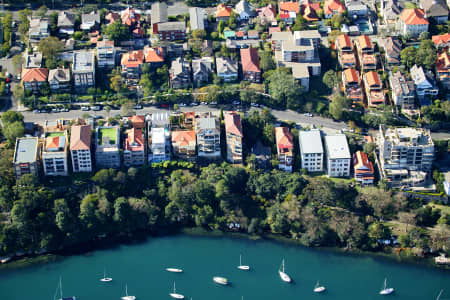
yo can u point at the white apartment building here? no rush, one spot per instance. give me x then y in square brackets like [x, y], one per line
[54, 154]
[106, 54]
[338, 155]
[208, 137]
[80, 148]
[83, 69]
[160, 144]
[311, 150]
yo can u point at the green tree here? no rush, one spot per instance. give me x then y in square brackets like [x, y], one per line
[266, 61]
[17, 61]
[408, 56]
[42, 11]
[117, 31]
[199, 34]
[426, 55]
[338, 104]
[330, 79]
[284, 90]
[50, 47]
[13, 131]
[221, 27]
[300, 23]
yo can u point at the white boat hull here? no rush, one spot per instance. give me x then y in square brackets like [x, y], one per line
[107, 279]
[246, 268]
[176, 296]
[285, 277]
[174, 270]
[129, 298]
[220, 280]
[319, 289]
[387, 291]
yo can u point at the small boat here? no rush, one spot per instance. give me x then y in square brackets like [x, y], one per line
[386, 290]
[174, 294]
[4, 260]
[318, 288]
[126, 293]
[220, 280]
[285, 277]
[61, 293]
[105, 279]
[174, 270]
[242, 267]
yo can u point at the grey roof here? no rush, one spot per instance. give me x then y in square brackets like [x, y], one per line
[59, 75]
[392, 47]
[307, 34]
[92, 17]
[202, 65]
[310, 141]
[434, 8]
[197, 18]
[356, 5]
[400, 85]
[179, 66]
[83, 61]
[243, 6]
[65, 19]
[207, 123]
[159, 12]
[226, 65]
[337, 146]
[419, 76]
[33, 60]
[391, 10]
[169, 26]
[26, 150]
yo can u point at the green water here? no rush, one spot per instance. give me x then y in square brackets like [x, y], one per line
[142, 268]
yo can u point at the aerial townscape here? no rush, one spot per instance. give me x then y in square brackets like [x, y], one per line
[321, 123]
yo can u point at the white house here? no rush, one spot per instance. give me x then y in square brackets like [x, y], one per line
[426, 87]
[244, 10]
[338, 155]
[413, 22]
[311, 150]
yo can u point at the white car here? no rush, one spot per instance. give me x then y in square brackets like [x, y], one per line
[203, 103]
[182, 104]
[236, 102]
[85, 108]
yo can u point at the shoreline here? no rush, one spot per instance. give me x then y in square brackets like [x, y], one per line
[114, 242]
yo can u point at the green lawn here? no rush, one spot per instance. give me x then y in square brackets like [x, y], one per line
[445, 209]
[108, 132]
[57, 133]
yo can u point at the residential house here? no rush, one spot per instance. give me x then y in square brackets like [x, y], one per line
[180, 74]
[154, 57]
[83, 69]
[403, 90]
[443, 69]
[80, 148]
[38, 29]
[188, 120]
[267, 15]
[223, 12]
[413, 22]
[107, 147]
[54, 153]
[184, 143]
[159, 14]
[392, 48]
[390, 10]
[201, 69]
[134, 148]
[436, 9]
[262, 155]
[352, 85]
[197, 17]
[441, 41]
[346, 56]
[111, 17]
[363, 168]
[26, 156]
[333, 7]
[374, 89]
[244, 10]
[227, 69]
[366, 53]
[170, 31]
[250, 65]
[66, 22]
[357, 9]
[234, 136]
[137, 121]
[131, 64]
[426, 87]
[130, 18]
[285, 147]
[90, 21]
[106, 54]
[338, 155]
[33, 60]
[33, 79]
[288, 11]
[311, 150]
[253, 34]
[405, 155]
[207, 129]
[59, 80]
[309, 10]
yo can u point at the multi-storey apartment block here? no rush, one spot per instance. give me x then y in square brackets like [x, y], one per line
[311, 150]
[285, 146]
[207, 129]
[352, 85]
[403, 90]
[134, 148]
[338, 155]
[346, 56]
[80, 148]
[26, 156]
[107, 149]
[160, 144]
[234, 135]
[106, 54]
[374, 89]
[366, 53]
[55, 153]
[83, 69]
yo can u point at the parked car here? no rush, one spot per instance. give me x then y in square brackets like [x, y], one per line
[164, 105]
[213, 103]
[183, 104]
[96, 108]
[254, 104]
[138, 106]
[236, 102]
[203, 103]
[85, 108]
[55, 110]
[194, 103]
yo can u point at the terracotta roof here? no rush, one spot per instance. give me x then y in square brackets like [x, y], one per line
[80, 137]
[284, 137]
[250, 60]
[364, 42]
[130, 17]
[132, 59]
[111, 17]
[373, 78]
[344, 41]
[309, 14]
[413, 16]
[52, 142]
[223, 11]
[137, 121]
[184, 138]
[240, 34]
[134, 140]
[289, 6]
[105, 43]
[189, 114]
[333, 5]
[155, 54]
[443, 62]
[274, 29]
[361, 163]
[35, 74]
[351, 75]
[233, 124]
[441, 39]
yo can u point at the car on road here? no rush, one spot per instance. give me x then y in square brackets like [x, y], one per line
[308, 114]
[194, 104]
[96, 108]
[164, 105]
[55, 110]
[254, 104]
[183, 104]
[203, 103]
[213, 103]
[65, 109]
[85, 108]
[236, 102]
[36, 111]
[138, 106]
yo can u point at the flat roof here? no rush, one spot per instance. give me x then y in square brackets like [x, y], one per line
[310, 141]
[26, 150]
[337, 146]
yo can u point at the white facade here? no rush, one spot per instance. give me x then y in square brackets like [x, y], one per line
[413, 30]
[81, 160]
[338, 155]
[160, 147]
[54, 156]
[311, 150]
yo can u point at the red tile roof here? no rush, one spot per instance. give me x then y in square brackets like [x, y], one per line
[80, 137]
[373, 78]
[35, 74]
[134, 140]
[274, 29]
[233, 124]
[413, 16]
[344, 41]
[137, 121]
[132, 59]
[250, 60]
[223, 11]
[284, 138]
[111, 17]
[154, 55]
[364, 42]
[361, 163]
[333, 5]
[351, 75]
[441, 39]
[289, 6]
[240, 34]
[130, 17]
[184, 137]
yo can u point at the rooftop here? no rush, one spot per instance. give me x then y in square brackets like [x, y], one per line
[233, 124]
[310, 141]
[83, 61]
[26, 150]
[107, 135]
[414, 16]
[80, 137]
[408, 136]
[337, 146]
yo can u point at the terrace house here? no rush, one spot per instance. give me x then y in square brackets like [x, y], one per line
[374, 89]
[346, 56]
[352, 85]
[366, 53]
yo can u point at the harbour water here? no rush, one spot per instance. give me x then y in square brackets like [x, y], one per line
[142, 268]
